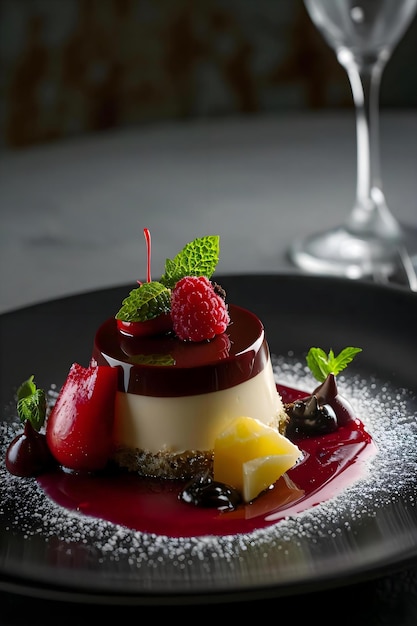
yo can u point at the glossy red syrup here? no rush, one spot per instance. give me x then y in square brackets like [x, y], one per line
[331, 462]
[165, 366]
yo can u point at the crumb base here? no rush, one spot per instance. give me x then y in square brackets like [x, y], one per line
[181, 466]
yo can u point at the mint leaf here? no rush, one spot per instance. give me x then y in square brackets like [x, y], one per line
[31, 404]
[197, 258]
[322, 364]
[153, 359]
[145, 303]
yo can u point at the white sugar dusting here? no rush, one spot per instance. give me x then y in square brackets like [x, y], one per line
[389, 415]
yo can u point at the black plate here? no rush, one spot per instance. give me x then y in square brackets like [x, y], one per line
[365, 531]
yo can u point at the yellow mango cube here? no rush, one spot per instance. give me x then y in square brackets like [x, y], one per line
[261, 473]
[251, 456]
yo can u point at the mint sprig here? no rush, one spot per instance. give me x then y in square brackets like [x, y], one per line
[31, 404]
[322, 364]
[197, 258]
[145, 303]
[153, 298]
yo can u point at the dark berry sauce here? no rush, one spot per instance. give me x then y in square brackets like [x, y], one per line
[330, 463]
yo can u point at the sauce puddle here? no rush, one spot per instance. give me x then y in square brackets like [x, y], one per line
[330, 463]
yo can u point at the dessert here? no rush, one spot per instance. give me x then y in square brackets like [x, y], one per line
[181, 389]
[173, 398]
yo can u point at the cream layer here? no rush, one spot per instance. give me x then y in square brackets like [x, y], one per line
[177, 424]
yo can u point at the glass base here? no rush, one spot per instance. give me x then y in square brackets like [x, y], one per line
[338, 252]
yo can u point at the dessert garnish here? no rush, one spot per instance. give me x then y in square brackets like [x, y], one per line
[322, 364]
[28, 454]
[198, 312]
[251, 456]
[183, 300]
[79, 427]
[76, 432]
[206, 492]
[325, 409]
[146, 310]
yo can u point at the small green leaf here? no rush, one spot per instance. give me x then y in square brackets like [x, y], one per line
[322, 364]
[31, 404]
[145, 303]
[153, 359]
[197, 258]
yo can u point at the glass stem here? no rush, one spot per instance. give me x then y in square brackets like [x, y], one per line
[370, 214]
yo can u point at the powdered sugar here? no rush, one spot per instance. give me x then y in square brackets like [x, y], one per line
[389, 414]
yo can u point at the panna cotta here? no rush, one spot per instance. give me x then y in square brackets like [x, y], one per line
[180, 385]
[175, 397]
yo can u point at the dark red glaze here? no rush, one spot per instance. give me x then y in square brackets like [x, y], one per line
[28, 454]
[165, 366]
[330, 463]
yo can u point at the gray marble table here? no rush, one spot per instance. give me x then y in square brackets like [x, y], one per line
[72, 213]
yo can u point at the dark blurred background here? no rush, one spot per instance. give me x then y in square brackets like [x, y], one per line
[78, 66]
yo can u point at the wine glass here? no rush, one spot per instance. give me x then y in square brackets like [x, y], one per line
[363, 34]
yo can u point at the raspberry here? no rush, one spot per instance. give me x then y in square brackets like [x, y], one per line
[197, 311]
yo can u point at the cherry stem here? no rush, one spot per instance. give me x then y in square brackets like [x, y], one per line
[148, 253]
